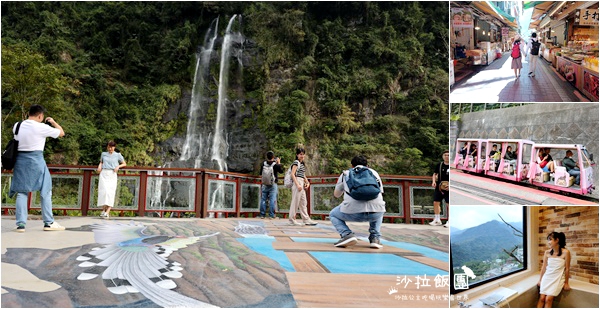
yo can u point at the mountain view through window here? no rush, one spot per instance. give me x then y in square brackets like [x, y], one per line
[489, 241]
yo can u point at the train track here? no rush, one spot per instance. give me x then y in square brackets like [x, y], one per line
[502, 199]
[507, 198]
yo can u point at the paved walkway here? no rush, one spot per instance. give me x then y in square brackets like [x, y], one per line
[231, 262]
[497, 83]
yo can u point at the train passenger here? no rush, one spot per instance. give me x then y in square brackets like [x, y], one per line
[510, 155]
[473, 150]
[463, 151]
[545, 161]
[571, 166]
[494, 150]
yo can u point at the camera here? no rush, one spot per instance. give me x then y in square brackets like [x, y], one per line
[48, 123]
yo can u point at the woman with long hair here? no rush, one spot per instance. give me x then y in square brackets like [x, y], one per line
[110, 163]
[299, 188]
[554, 276]
[517, 58]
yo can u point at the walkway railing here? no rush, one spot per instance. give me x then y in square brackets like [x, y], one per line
[203, 193]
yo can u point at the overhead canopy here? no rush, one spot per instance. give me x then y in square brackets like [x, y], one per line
[539, 9]
[546, 7]
[530, 4]
[492, 10]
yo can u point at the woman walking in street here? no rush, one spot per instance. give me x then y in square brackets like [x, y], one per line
[299, 188]
[110, 163]
[516, 54]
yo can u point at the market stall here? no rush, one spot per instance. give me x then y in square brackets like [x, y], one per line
[569, 31]
[581, 71]
[479, 34]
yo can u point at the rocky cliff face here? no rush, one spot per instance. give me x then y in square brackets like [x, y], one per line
[247, 144]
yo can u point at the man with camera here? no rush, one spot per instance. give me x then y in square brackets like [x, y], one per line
[30, 172]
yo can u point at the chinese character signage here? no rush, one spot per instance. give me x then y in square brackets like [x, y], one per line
[462, 18]
[586, 17]
[505, 32]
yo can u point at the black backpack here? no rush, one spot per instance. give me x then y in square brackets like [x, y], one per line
[9, 156]
[535, 47]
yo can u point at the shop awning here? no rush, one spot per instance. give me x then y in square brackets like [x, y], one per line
[530, 4]
[492, 10]
[539, 9]
[546, 7]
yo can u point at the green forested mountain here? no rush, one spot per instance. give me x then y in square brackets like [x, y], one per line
[361, 77]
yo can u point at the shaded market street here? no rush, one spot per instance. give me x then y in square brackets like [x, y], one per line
[497, 83]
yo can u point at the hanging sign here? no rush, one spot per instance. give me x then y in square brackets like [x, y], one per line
[586, 17]
[504, 32]
[462, 18]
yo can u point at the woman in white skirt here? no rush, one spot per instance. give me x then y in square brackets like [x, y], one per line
[110, 163]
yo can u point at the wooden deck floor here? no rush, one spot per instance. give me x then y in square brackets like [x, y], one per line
[313, 286]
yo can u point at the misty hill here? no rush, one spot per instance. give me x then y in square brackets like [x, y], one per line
[455, 231]
[482, 242]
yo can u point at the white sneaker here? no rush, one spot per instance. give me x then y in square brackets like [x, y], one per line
[53, 227]
[102, 215]
[435, 223]
[295, 223]
[447, 222]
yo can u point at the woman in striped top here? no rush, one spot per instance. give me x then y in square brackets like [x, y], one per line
[301, 184]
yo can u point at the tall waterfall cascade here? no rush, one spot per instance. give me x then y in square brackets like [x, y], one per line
[197, 135]
[206, 141]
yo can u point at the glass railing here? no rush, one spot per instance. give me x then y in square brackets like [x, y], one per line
[172, 192]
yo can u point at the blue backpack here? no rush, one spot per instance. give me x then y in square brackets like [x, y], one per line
[362, 184]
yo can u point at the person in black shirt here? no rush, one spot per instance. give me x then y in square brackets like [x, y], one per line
[440, 181]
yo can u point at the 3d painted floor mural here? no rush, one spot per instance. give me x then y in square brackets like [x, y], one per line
[236, 262]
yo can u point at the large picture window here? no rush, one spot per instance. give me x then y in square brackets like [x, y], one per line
[486, 243]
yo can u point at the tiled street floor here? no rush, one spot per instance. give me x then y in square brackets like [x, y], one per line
[227, 262]
[497, 83]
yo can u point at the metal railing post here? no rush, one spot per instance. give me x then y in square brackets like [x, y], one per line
[143, 188]
[199, 196]
[238, 200]
[406, 200]
[85, 195]
[204, 206]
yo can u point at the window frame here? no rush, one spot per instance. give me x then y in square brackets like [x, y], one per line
[526, 235]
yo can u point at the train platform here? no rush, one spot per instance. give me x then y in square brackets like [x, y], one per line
[468, 189]
[497, 83]
[144, 262]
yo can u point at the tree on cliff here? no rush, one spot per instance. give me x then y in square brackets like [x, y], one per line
[366, 77]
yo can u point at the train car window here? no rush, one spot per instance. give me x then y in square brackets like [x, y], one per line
[588, 160]
[526, 154]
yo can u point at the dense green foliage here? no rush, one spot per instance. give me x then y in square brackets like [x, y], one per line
[366, 77]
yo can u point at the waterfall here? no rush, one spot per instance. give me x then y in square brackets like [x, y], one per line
[220, 146]
[197, 135]
[205, 146]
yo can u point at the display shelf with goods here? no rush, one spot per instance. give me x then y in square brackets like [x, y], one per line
[581, 71]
